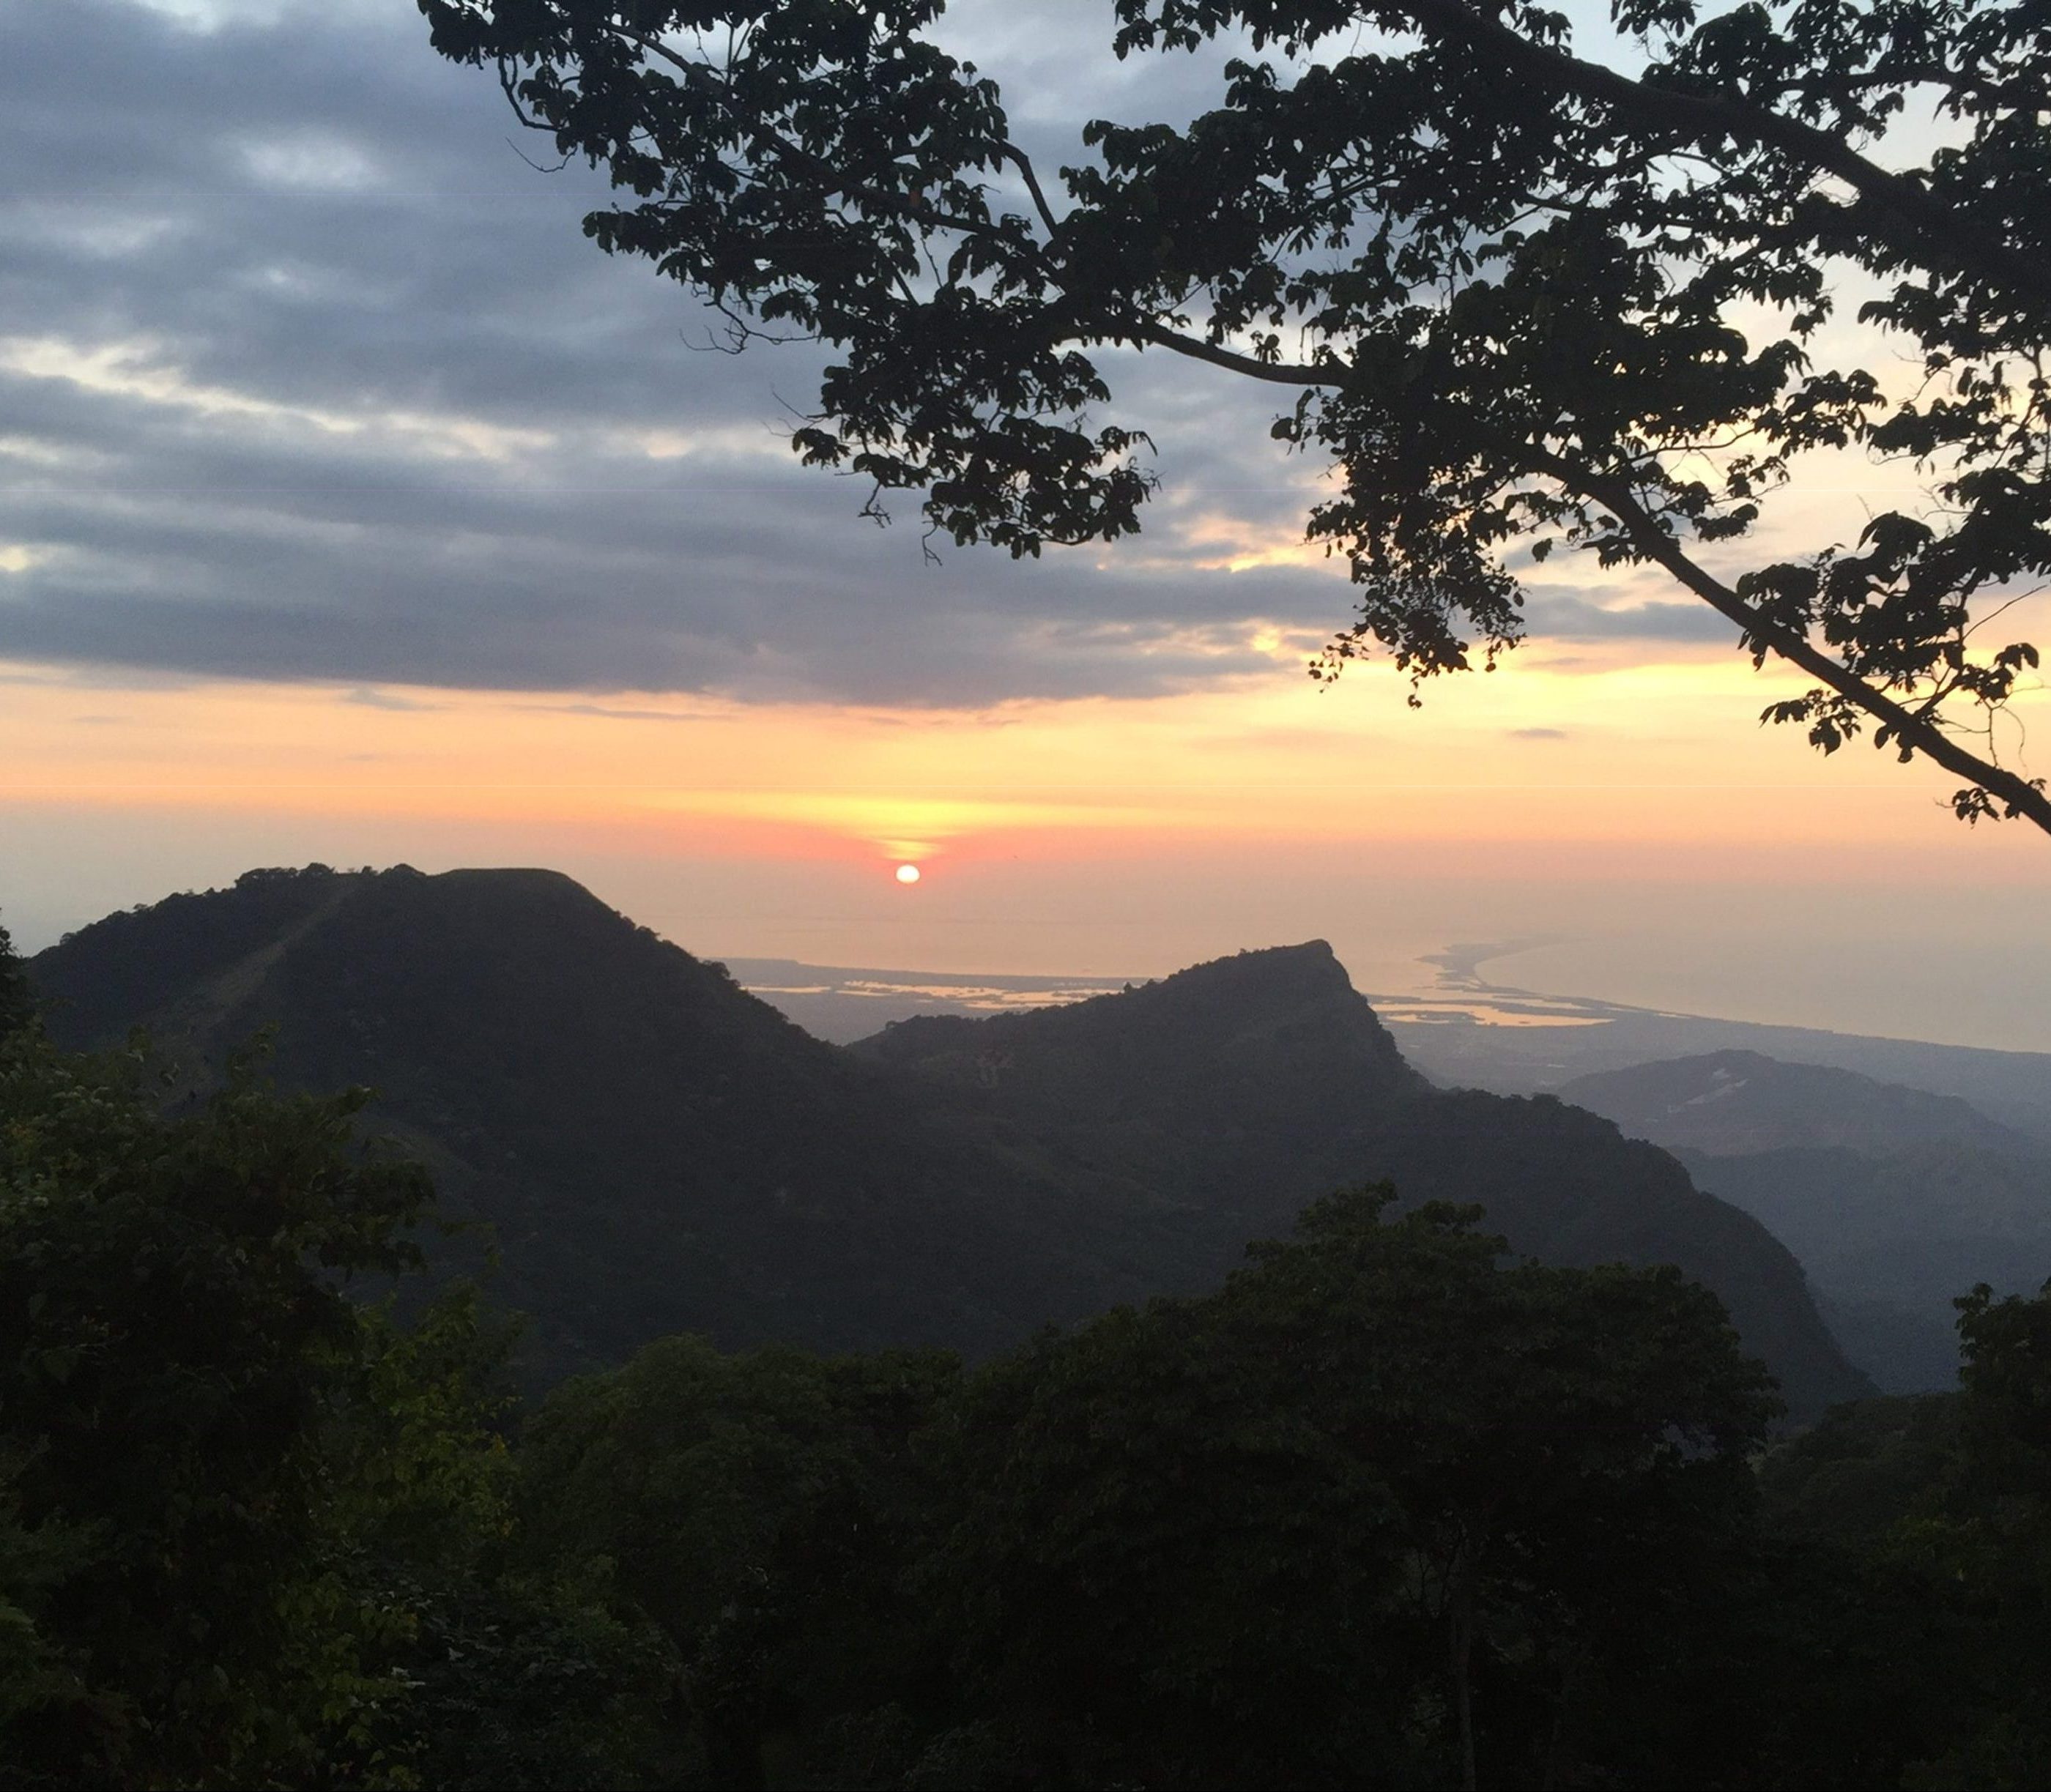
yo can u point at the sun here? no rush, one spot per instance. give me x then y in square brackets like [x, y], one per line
[908, 874]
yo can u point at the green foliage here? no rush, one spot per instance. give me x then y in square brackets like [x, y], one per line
[1531, 299]
[1866, 1470]
[1161, 1565]
[2007, 1383]
[760, 1510]
[247, 1523]
[172, 1342]
[1246, 1534]
[17, 1001]
[1281, 1534]
[1917, 1567]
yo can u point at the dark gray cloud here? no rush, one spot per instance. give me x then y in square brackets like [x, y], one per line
[1561, 615]
[304, 373]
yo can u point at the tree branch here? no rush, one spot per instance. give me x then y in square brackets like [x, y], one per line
[2025, 278]
[1913, 728]
[1023, 163]
[1276, 373]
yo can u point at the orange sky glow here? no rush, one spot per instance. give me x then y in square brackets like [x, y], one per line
[1579, 795]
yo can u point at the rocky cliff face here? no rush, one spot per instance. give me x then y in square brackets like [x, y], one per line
[659, 1151]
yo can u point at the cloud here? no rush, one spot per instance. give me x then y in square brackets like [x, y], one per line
[614, 713]
[1537, 734]
[1563, 615]
[307, 374]
[368, 699]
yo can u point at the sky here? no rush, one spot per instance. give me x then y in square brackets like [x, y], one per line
[354, 508]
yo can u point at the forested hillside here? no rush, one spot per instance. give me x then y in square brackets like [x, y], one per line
[659, 1152]
[1253, 1084]
[655, 1150]
[1389, 1507]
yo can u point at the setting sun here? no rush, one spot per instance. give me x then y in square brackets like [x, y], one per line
[908, 874]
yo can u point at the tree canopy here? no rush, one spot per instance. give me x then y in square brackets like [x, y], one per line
[1384, 1470]
[1519, 298]
[252, 1526]
[1390, 1506]
[17, 1001]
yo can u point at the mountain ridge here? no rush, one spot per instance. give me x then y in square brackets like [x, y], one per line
[660, 1151]
[1734, 1102]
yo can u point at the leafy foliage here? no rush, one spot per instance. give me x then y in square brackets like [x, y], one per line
[1522, 298]
[761, 1510]
[1239, 1538]
[237, 1506]
[172, 1342]
[1930, 1518]
[1247, 1534]
[1282, 1534]
[17, 1001]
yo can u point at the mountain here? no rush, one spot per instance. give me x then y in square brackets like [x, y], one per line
[1252, 1084]
[1478, 1034]
[659, 1151]
[1896, 1200]
[1728, 1102]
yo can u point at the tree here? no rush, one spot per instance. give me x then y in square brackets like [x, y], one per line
[173, 1348]
[758, 1509]
[2005, 1385]
[1509, 288]
[1916, 1578]
[1256, 1534]
[250, 1524]
[17, 1001]
[1160, 1569]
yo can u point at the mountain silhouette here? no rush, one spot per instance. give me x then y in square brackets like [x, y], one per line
[658, 1151]
[1729, 1103]
[1252, 1084]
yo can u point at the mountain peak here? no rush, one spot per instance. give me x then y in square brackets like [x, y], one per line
[1311, 965]
[1278, 1032]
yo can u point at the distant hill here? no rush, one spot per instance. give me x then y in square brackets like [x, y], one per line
[1895, 1199]
[1489, 1036]
[1730, 1102]
[659, 1151]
